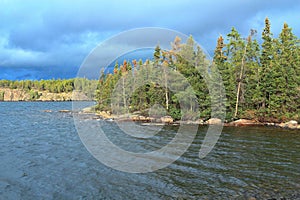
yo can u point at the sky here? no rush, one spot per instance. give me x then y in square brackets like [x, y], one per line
[51, 39]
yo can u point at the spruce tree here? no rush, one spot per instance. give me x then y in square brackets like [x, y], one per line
[267, 75]
[219, 72]
[157, 55]
[235, 58]
[287, 66]
[252, 81]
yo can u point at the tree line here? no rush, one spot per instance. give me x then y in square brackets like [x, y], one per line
[52, 86]
[261, 81]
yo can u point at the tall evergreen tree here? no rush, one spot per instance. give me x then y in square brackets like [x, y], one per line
[288, 62]
[157, 55]
[220, 75]
[200, 81]
[252, 74]
[266, 76]
[235, 56]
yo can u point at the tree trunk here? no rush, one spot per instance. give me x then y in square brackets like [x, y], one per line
[240, 82]
[166, 89]
[124, 97]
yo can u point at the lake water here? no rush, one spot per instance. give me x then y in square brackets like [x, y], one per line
[42, 157]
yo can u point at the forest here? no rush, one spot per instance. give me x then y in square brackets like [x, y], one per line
[253, 77]
[33, 87]
[260, 76]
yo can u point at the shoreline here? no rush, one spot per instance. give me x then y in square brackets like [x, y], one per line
[165, 120]
[291, 124]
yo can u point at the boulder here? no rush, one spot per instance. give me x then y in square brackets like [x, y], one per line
[167, 119]
[104, 114]
[281, 125]
[135, 118]
[197, 122]
[243, 122]
[270, 124]
[291, 124]
[152, 119]
[140, 118]
[214, 121]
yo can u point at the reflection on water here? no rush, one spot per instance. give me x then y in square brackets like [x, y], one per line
[42, 157]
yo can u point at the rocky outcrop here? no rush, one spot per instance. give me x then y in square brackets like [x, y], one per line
[290, 124]
[25, 95]
[213, 121]
[105, 115]
[243, 122]
[193, 122]
[167, 119]
[140, 118]
[14, 94]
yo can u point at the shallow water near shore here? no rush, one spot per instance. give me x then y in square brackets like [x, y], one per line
[42, 157]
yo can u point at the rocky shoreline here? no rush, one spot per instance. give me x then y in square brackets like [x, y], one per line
[20, 95]
[292, 124]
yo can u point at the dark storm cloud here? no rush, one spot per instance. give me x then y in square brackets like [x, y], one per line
[58, 35]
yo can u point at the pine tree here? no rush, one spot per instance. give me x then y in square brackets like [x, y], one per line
[287, 66]
[235, 49]
[252, 74]
[157, 55]
[187, 51]
[116, 68]
[199, 82]
[220, 75]
[193, 65]
[266, 77]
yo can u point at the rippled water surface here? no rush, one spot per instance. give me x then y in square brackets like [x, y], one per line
[42, 157]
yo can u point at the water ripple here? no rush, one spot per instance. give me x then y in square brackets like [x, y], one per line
[42, 157]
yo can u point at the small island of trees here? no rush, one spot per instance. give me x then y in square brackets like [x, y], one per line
[261, 81]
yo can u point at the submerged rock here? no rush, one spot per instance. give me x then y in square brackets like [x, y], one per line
[88, 109]
[64, 111]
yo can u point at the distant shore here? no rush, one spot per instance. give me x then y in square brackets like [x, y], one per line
[36, 95]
